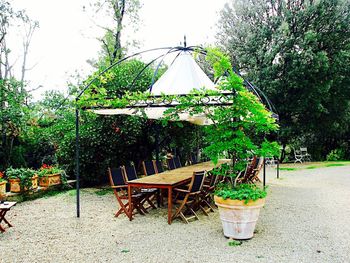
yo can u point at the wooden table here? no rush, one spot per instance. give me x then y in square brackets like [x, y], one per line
[169, 180]
[4, 208]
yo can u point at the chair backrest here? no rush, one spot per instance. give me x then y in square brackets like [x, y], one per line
[194, 158]
[116, 177]
[171, 164]
[148, 167]
[158, 165]
[197, 181]
[177, 162]
[297, 153]
[251, 165]
[130, 172]
[303, 150]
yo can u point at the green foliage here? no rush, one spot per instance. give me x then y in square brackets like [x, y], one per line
[47, 170]
[336, 155]
[241, 192]
[13, 118]
[298, 53]
[25, 176]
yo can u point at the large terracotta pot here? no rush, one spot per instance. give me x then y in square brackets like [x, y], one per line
[239, 219]
[49, 180]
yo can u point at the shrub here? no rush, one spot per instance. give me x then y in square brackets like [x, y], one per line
[336, 155]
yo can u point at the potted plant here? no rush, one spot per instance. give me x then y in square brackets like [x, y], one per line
[22, 179]
[239, 127]
[49, 175]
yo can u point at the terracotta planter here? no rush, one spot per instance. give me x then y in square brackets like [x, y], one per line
[3, 188]
[15, 184]
[239, 219]
[49, 180]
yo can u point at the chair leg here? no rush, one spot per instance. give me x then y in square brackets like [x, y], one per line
[183, 217]
[181, 206]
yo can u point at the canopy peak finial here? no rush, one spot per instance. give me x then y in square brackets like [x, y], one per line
[185, 44]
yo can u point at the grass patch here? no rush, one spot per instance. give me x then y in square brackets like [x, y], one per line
[312, 167]
[234, 243]
[334, 164]
[72, 192]
[102, 192]
[287, 169]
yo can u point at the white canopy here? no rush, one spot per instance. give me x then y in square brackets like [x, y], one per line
[156, 113]
[183, 76]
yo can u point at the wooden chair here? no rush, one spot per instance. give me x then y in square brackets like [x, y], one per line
[120, 189]
[188, 199]
[158, 166]
[171, 164]
[149, 193]
[193, 158]
[251, 174]
[148, 168]
[177, 162]
[206, 195]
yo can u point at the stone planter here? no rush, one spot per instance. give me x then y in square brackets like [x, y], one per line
[15, 186]
[2, 188]
[50, 180]
[239, 219]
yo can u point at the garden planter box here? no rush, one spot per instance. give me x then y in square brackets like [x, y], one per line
[239, 219]
[15, 184]
[2, 188]
[50, 180]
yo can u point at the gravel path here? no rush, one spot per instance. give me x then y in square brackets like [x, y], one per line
[306, 219]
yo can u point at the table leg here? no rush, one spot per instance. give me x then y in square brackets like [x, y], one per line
[170, 204]
[2, 217]
[7, 222]
[130, 203]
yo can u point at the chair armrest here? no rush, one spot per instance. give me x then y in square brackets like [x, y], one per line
[181, 190]
[119, 186]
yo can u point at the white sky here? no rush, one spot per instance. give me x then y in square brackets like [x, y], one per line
[67, 36]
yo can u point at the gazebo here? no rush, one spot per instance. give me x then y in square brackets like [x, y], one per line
[183, 77]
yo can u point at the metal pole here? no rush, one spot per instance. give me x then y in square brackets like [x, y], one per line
[77, 159]
[278, 168]
[264, 174]
[157, 142]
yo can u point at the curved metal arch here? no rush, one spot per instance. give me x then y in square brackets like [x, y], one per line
[113, 65]
[145, 67]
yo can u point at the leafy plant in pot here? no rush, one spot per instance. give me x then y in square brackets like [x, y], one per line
[239, 128]
[49, 175]
[22, 179]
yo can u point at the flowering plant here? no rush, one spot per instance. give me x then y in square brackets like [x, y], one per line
[2, 177]
[46, 169]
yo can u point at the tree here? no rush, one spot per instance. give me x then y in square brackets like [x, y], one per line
[120, 12]
[298, 53]
[13, 97]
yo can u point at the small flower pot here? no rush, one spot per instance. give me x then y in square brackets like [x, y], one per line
[50, 180]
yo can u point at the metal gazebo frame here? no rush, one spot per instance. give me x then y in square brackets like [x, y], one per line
[150, 103]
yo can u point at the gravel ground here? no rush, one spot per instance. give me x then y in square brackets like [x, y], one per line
[306, 219]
